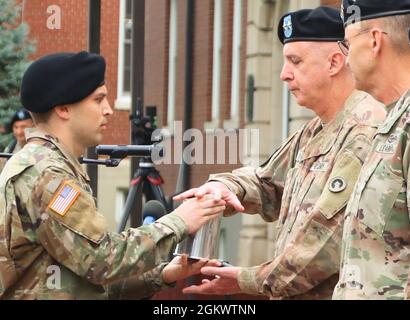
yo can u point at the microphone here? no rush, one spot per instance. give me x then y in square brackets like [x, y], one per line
[122, 151]
[152, 211]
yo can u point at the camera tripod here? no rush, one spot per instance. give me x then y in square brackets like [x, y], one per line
[148, 181]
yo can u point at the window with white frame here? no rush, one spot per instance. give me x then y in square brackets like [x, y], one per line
[172, 63]
[216, 67]
[124, 56]
[217, 57]
[236, 65]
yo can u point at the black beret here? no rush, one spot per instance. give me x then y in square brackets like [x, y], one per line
[19, 115]
[320, 24]
[356, 10]
[61, 78]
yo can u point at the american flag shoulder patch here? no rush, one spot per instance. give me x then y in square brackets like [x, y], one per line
[64, 198]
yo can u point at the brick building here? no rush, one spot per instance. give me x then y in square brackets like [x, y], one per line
[57, 25]
[234, 45]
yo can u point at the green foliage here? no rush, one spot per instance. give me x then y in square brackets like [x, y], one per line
[14, 51]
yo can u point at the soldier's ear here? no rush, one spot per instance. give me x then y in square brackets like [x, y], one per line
[377, 40]
[336, 62]
[62, 112]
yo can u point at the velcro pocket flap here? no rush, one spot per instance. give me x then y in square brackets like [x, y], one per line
[339, 186]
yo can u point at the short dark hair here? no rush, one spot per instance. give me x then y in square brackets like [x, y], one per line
[41, 117]
[397, 29]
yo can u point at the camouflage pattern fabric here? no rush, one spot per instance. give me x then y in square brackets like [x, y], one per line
[54, 247]
[137, 287]
[305, 185]
[375, 261]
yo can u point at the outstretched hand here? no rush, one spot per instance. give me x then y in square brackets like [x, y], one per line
[197, 212]
[217, 189]
[181, 268]
[224, 283]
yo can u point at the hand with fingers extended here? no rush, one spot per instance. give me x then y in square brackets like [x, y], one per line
[215, 188]
[224, 283]
[197, 212]
[181, 268]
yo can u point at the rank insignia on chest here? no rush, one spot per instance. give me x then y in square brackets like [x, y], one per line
[392, 139]
[64, 198]
[337, 184]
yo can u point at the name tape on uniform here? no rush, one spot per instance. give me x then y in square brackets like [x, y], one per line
[320, 166]
[389, 146]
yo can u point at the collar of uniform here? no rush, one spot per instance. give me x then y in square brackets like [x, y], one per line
[322, 142]
[33, 133]
[353, 100]
[326, 138]
[366, 110]
[394, 113]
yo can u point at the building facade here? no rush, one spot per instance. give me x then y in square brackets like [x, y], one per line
[236, 64]
[275, 112]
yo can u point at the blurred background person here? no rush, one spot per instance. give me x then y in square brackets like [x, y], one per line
[20, 121]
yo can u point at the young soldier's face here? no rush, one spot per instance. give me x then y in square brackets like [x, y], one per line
[90, 118]
[304, 71]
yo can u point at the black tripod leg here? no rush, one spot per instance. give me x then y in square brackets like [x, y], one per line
[147, 191]
[130, 204]
[158, 194]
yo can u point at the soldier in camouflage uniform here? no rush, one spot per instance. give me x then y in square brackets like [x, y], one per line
[375, 262]
[20, 121]
[306, 183]
[54, 244]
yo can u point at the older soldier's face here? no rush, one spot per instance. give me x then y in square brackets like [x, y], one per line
[90, 118]
[360, 55]
[305, 73]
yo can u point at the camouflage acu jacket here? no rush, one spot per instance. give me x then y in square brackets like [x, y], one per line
[54, 243]
[305, 185]
[375, 260]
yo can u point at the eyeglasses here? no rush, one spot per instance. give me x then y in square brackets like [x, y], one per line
[344, 45]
